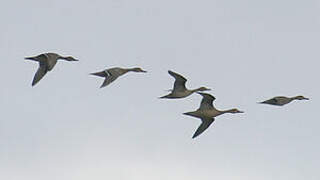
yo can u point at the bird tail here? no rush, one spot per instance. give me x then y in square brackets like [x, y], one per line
[194, 114]
[100, 74]
[162, 97]
[30, 58]
[169, 96]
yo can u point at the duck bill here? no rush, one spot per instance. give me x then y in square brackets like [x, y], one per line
[306, 98]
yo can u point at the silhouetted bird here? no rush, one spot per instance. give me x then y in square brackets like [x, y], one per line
[179, 87]
[113, 73]
[46, 63]
[206, 112]
[281, 100]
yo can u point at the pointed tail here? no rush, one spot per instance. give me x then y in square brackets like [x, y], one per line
[194, 114]
[100, 74]
[30, 58]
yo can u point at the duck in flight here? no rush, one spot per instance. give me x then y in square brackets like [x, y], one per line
[113, 73]
[179, 87]
[46, 63]
[207, 112]
[282, 100]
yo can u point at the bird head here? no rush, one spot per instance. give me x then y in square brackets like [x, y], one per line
[203, 89]
[137, 69]
[301, 98]
[235, 111]
[69, 58]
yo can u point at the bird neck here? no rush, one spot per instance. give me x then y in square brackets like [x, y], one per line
[293, 98]
[127, 70]
[226, 111]
[195, 90]
[130, 69]
[62, 57]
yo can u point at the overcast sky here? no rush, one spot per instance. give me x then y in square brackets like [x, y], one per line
[246, 51]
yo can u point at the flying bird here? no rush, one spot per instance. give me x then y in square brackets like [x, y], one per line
[179, 88]
[113, 73]
[207, 112]
[46, 63]
[282, 100]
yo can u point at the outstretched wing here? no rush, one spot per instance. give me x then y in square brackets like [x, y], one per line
[207, 101]
[180, 81]
[42, 70]
[206, 122]
[109, 78]
[272, 101]
[107, 81]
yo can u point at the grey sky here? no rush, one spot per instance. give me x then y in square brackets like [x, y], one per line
[67, 128]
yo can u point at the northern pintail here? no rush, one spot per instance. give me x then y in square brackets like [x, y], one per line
[282, 100]
[46, 63]
[179, 87]
[206, 112]
[113, 73]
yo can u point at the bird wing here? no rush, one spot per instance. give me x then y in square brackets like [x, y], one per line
[272, 101]
[109, 78]
[207, 101]
[42, 57]
[51, 63]
[206, 122]
[42, 70]
[180, 81]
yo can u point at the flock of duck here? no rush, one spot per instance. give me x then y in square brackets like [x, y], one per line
[206, 112]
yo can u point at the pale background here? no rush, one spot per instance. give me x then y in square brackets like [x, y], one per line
[66, 128]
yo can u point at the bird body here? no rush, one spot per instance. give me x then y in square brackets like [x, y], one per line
[46, 61]
[112, 74]
[175, 94]
[282, 100]
[179, 89]
[207, 112]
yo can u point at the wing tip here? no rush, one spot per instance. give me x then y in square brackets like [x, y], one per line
[35, 81]
[171, 72]
[195, 135]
